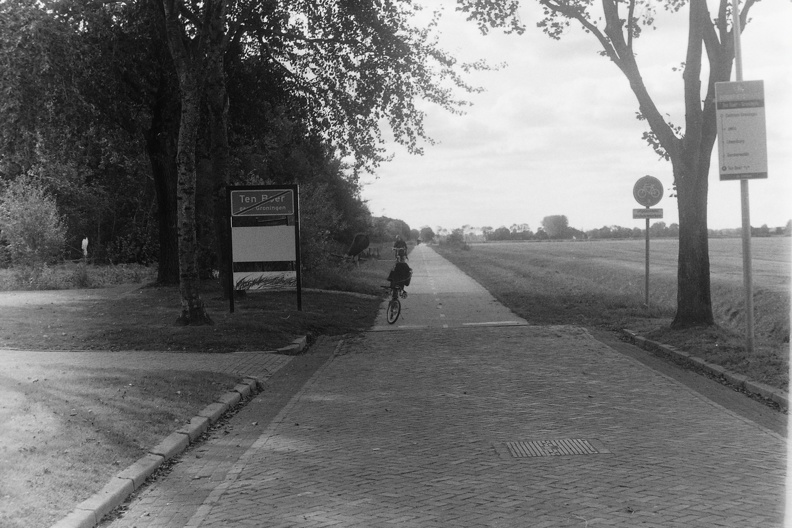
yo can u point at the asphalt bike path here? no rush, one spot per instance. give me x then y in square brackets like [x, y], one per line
[462, 414]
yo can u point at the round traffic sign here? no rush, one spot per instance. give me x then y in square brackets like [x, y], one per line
[648, 191]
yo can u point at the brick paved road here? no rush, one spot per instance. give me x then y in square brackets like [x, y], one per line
[410, 426]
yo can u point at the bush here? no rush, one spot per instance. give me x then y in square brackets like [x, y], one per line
[5, 254]
[456, 240]
[74, 275]
[30, 225]
[319, 222]
[139, 246]
[40, 277]
[79, 277]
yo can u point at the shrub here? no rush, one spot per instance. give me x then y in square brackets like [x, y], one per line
[74, 275]
[29, 223]
[5, 254]
[139, 246]
[79, 276]
[456, 240]
[319, 222]
[39, 277]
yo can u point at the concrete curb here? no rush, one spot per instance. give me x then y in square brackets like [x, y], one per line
[295, 348]
[89, 513]
[738, 380]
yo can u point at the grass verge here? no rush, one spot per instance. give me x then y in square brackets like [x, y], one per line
[67, 429]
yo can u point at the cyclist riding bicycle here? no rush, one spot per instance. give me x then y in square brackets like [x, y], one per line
[400, 247]
[398, 278]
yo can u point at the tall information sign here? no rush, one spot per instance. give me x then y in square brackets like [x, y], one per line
[742, 137]
[265, 239]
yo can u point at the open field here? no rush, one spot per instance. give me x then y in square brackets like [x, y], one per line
[771, 257]
[601, 283]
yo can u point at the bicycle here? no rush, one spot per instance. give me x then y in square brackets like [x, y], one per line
[649, 190]
[394, 304]
[398, 278]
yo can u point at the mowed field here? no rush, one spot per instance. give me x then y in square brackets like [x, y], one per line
[771, 264]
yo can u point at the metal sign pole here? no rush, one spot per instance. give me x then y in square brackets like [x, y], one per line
[648, 191]
[647, 263]
[229, 234]
[298, 261]
[745, 203]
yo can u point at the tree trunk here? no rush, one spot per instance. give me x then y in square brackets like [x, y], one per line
[694, 302]
[217, 100]
[691, 172]
[161, 150]
[193, 309]
[188, 59]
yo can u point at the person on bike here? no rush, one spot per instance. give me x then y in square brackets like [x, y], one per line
[400, 247]
[399, 243]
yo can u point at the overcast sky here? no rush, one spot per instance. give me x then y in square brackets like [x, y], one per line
[555, 132]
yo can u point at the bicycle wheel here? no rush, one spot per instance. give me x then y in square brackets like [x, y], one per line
[394, 309]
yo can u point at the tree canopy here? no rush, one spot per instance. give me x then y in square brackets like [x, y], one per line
[556, 226]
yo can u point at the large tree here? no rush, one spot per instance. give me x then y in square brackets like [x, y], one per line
[195, 40]
[616, 25]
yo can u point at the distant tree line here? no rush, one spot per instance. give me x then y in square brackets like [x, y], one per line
[763, 231]
[556, 227]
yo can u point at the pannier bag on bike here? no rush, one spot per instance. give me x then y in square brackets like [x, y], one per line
[400, 274]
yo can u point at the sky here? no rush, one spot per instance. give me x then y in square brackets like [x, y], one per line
[555, 131]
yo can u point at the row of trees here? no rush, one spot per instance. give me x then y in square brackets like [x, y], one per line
[762, 231]
[557, 228]
[553, 227]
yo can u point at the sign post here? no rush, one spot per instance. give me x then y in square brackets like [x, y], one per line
[648, 191]
[742, 152]
[265, 239]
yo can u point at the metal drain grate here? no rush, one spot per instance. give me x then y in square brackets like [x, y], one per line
[543, 448]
